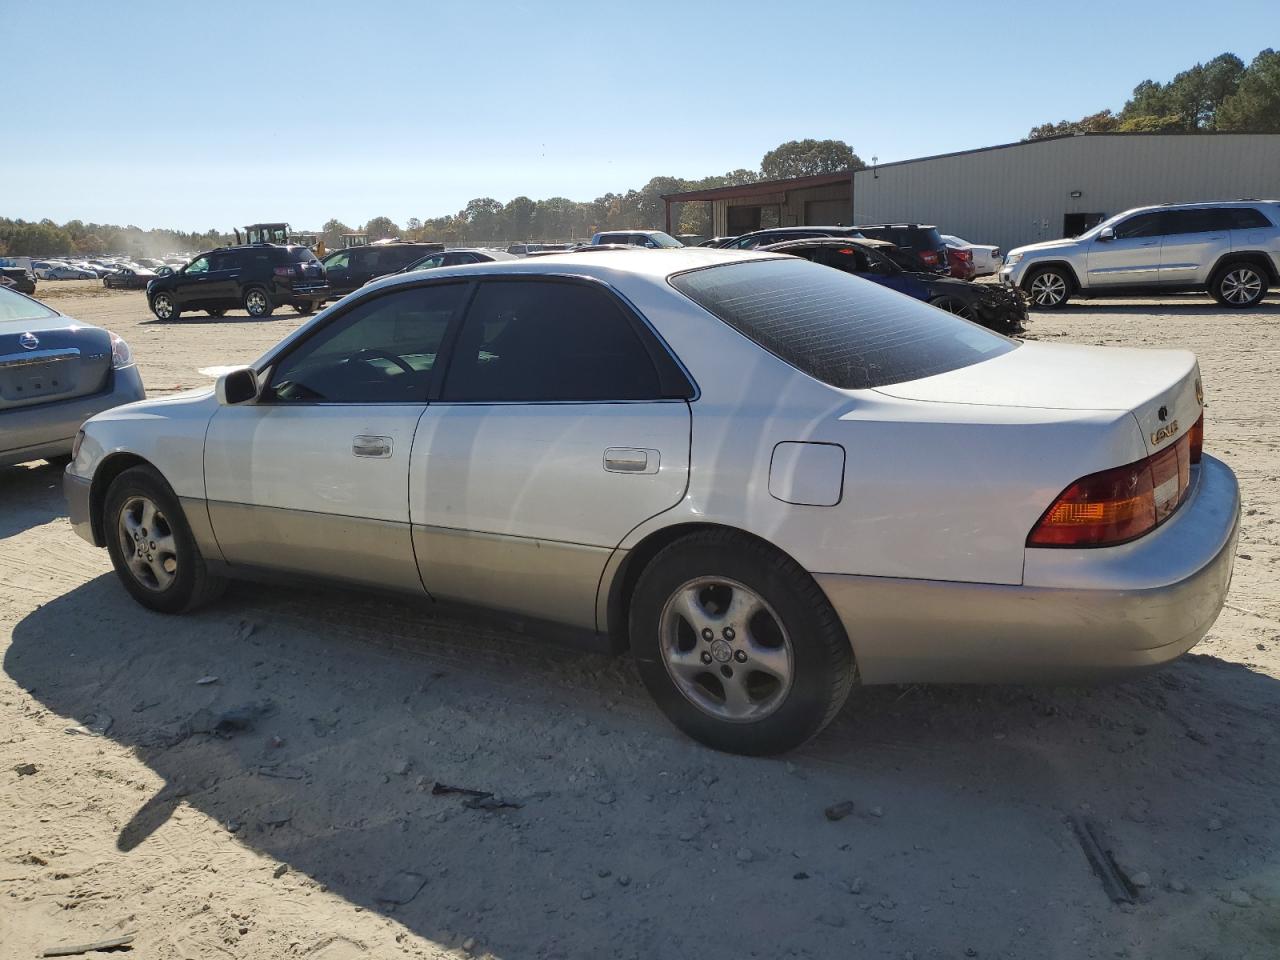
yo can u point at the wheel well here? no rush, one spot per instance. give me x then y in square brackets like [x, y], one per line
[1060, 264]
[1255, 257]
[107, 471]
[638, 557]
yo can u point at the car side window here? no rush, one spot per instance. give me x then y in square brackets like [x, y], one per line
[339, 261]
[546, 340]
[1247, 218]
[382, 350]
[1202, 220]
[198, 265]
[1143, 225]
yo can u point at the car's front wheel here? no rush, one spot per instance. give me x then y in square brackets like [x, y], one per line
[165, 307]
[1239, 285]
[151, 545]
[952, 305]
[738, 645]
[1048, 288]
[257, 303]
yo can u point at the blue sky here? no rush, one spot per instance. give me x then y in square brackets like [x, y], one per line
[227, 112]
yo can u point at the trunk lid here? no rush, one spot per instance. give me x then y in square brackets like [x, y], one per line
[1161, 388]
[50, 359]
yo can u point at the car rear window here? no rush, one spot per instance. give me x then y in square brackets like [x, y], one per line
[838, 328]
[301, 255]
[14, 306]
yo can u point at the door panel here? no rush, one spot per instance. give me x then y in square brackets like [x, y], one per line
[291, 487]
[1132, 257]
[521, 493]
[1194, 240]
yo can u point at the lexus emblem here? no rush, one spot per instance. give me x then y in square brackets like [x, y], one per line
[29, 341]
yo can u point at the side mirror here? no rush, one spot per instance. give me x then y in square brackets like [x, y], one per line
[1106, 234]
[236, 386]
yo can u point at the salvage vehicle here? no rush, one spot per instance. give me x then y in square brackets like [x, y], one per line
[1229, 249]
[68, 272]
[992, 305]
[651, 239]
[770, 235]
[986, 259]
[767, 478]
[921, 239]
[257, 278]
[132, 278]
[55, 373]
[22, 279]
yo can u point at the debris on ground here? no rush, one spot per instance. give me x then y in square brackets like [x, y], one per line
[26, 769]
[1117, 886]
[101, 946]
[476, 799]
[401, 887]
[228, 723]
[205, 681]
[838, 811]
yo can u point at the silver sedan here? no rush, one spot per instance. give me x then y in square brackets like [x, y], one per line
[769, 480]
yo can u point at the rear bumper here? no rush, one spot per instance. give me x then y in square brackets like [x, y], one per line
[1079, 614]
[49, 429]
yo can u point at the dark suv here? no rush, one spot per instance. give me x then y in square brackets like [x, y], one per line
[351, 269]
[922, 240]
[256, 278]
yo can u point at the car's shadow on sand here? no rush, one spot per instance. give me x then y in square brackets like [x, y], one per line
[203, 319]
[1174, 307]
[30, 495]
[625, 839]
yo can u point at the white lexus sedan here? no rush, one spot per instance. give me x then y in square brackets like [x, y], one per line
[769, 479]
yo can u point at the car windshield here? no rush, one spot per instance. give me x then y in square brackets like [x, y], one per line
[14, 306]
[840, 329]
[664, 239]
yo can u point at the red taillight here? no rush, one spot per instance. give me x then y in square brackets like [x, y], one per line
[283, 271]
[1118, 505]
[1196, 434]
[963, 256]
[929, 256]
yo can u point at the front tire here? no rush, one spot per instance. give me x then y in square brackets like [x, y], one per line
[952, 305]
[257, 303]
[1239, 285]
[1048, 288]
[738, 645]
[165, 307]
[151, 545]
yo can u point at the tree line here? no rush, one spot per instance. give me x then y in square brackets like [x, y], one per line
[1222, 95]
[45, 238]
[559, 218]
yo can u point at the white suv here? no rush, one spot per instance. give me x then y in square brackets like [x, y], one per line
[1230, 249]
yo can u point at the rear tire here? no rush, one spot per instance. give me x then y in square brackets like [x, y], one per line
[257, 303]
[1239, 285]
[738, 645]
[151, 545]
[1048, 288]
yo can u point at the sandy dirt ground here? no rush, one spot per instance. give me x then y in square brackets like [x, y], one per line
[288, 807]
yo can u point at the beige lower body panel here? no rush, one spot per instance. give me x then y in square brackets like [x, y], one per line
[357, 550]
[546, 579]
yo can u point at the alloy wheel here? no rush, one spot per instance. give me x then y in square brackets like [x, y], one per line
[726, 650]
[952, 305]
[1241, 285]
[147, 543]
[1048, 290]
[162, 306]
[255, 302]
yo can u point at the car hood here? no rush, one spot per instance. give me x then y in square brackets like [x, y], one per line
[1066, 243]
[1056, 376]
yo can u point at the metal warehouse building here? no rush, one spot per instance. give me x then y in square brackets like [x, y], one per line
[1035, 190]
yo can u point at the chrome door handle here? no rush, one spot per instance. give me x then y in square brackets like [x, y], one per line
[631, 460]
[378, 447]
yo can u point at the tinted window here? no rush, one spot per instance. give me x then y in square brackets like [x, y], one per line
[198, 265]
[301, 255]
[843, 330]
[383, 350]
[1143, 225]
[545, 340]
[339, 261]
[1245, 218]
[1199, 220]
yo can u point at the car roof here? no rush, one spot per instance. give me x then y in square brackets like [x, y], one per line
[868, 242]
[1198, 203]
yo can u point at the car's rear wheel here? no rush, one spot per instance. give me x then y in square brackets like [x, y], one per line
[217, 312]
[1239, 285]
[952, 305]
[151, 546]
[165, 307]
[257, 303]
[1049, 288]
[738, 645]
